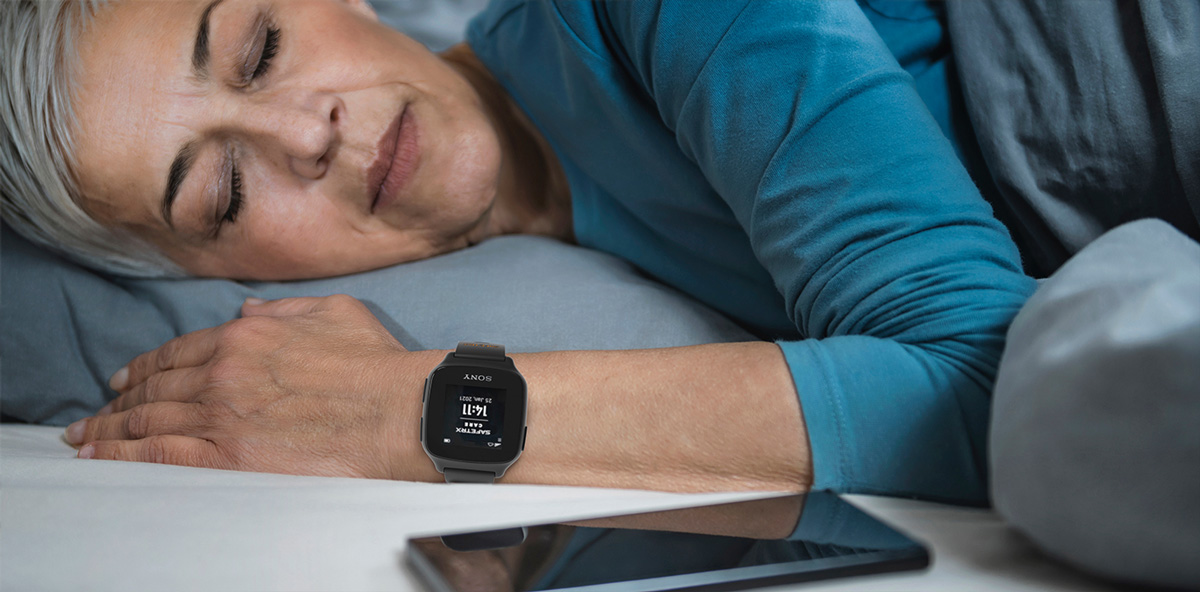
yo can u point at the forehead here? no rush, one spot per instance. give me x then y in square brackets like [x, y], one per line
[132, 85]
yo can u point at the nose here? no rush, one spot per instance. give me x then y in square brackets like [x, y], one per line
[299, 129]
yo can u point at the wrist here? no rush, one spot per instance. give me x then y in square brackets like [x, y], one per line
[474, 414]
[403, 378]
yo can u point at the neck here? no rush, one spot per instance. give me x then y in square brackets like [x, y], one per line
[532, 196]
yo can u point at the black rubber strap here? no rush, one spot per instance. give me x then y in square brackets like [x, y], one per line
[465, 476]
[479, 351]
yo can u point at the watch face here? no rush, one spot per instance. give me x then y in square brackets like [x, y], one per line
[475, 414]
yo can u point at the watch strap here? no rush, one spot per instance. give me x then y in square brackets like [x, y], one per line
[468, 476]
[477, 351]
[480, 351]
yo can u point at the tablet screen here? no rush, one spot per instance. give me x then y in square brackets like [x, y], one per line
[764, 542]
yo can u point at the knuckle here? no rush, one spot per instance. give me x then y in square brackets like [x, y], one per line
[140, 366]
[157, 450]
[346, 302]
[137, 422]
[214, 415]
[152, 388]
[164, 356]
[236, 335]
[235, 331]
[222, 370]
[246, 329]
[118, 404]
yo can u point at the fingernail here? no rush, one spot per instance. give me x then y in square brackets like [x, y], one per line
[254, 301]
[118, 380]
[75, 431]
[87, 451]
[105, 410]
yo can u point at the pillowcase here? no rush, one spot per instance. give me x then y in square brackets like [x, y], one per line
[67, 329]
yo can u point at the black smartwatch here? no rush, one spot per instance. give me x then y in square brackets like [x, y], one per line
[473, 423]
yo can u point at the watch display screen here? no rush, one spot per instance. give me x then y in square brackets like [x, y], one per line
[474, 416]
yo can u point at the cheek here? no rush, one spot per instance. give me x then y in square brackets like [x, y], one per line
[298, 229]
[346, 47]
[468, 170]
[308, 237]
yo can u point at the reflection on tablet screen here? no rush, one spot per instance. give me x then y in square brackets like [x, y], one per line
[793, 538]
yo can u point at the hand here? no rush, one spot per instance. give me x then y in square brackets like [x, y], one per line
[301, 385]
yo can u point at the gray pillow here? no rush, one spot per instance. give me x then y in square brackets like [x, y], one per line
[1094, 442]
[436, 23]
[67, 329]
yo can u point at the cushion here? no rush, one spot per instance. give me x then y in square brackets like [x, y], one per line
[1094, 446]
[67, 329]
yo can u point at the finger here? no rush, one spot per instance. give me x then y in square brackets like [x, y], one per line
[185, 351]
[295, 306]
[283, 307]
[180, 385]
[171, 450]
[152, 419]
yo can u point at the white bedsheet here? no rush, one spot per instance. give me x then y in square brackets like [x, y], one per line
[69, 524]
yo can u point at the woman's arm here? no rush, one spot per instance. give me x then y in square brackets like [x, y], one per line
[898, 281]
[715, 417]
[318, 386]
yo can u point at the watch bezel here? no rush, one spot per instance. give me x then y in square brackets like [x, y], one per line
[514, 413]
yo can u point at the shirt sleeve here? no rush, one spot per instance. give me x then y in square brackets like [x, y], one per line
[891, 265]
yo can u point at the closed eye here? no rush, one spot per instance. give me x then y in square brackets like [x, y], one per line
[235, 196]
[270, 48]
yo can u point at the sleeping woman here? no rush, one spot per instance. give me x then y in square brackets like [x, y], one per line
[772, 159]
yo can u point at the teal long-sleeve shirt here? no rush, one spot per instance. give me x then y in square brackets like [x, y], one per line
[775, 161]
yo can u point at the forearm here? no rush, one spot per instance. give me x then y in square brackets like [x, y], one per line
[318, 386]
[698, 418]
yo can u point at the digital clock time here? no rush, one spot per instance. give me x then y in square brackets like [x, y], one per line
[474, 415]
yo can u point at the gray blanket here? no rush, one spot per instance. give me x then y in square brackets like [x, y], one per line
[1087, 113]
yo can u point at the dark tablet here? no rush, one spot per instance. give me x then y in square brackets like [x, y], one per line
[766, 542]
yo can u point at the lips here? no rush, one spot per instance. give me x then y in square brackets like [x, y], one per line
[395, 159]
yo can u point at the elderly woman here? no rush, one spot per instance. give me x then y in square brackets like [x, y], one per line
[772, 159]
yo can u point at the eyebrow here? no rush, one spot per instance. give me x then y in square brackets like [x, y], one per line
[179, 171]
[200, 49]
[182, 164]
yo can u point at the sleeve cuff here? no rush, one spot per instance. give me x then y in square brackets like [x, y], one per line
[824, 414]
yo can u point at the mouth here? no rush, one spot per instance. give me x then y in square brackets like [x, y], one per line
[395, 159]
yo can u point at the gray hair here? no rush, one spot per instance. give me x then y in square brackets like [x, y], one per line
[39, 197]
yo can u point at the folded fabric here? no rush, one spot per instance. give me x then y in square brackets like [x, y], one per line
[1094, 446]
[1086, 114]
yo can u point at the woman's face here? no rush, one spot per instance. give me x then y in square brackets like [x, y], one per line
[294, 105]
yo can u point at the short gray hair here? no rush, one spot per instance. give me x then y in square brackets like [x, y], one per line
[39, 196]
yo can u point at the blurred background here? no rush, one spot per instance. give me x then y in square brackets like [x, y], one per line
[436, 23]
